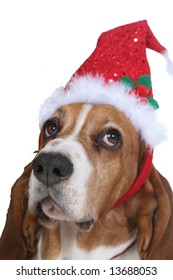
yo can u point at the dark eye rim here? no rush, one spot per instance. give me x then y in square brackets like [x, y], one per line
[99, 141]
[48, 123]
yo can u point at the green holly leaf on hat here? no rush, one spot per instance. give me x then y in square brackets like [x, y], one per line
[144, 80]
[141, 88]
[153, 102]
[128, 81]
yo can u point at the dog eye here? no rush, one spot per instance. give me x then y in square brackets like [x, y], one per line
[111, 138]
[50, 128]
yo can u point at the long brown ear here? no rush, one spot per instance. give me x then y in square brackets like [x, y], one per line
[18, 240]
[155, 219]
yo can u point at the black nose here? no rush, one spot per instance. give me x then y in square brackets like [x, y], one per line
[51, 168]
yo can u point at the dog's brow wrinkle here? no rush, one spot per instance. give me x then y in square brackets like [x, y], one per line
[81, 119]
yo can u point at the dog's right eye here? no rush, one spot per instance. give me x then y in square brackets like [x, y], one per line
[50, 128]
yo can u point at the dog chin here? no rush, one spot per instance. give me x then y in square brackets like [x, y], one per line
[50, 214]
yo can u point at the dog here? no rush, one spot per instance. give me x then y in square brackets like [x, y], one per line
[61, 206]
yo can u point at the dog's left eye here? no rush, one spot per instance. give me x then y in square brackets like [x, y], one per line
[50, 128]
[111, 138]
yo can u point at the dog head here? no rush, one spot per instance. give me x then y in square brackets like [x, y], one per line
[88, 158]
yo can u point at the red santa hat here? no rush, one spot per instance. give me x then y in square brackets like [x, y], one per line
[116, 73]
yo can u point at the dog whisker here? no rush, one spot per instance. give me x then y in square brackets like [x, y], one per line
[92, 212]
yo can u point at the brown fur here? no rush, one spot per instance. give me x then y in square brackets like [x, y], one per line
[150, 211]
[18, 240]
[51, 242]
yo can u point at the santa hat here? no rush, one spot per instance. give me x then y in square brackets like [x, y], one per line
[117, 73]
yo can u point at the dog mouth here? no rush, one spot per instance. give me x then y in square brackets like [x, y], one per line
[48, 208]
[49, 213]
[86, 225]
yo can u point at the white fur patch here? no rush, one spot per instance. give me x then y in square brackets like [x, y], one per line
[69, 194]
[94, 90]
[81, 119]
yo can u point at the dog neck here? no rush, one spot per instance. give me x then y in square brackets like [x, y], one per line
[104, 240]
[71, 246]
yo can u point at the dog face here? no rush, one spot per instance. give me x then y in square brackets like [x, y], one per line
[88, 158]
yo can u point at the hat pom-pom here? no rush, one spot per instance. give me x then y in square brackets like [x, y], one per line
[169, 62]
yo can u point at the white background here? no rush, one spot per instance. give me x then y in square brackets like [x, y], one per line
[42, 43]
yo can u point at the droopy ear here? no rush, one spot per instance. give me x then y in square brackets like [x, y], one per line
[155, 218]
[18, 240]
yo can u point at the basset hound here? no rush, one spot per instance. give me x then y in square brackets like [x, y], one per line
[62, 205]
